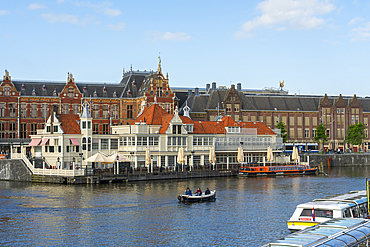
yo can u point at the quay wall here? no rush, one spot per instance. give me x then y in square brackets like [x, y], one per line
[14, 170]
[339, 159]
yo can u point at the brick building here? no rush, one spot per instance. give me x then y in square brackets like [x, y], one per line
[26, 105]
[300, 113]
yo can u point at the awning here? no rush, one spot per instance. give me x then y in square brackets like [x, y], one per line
[74, 141]
[34, 142]
[44, 141]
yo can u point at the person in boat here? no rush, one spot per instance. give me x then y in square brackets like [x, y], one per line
[198, 192]
[188, 192]
[207, 192]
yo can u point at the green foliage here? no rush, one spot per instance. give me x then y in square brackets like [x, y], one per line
[321, 136]
[355, 134]
[280, 125]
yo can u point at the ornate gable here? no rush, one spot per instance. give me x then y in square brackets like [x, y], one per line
[340, 103]
[325, 102]
[7, 87]
[70, 90]
[354, 102]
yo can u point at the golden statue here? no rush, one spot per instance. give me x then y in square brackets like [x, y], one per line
[281, 84]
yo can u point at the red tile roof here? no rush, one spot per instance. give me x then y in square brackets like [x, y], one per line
[69, 123]
[156, 115]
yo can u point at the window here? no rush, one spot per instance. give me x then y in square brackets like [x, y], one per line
[6, 91]
[105, 128]
[48, 128]
[307, 133]
[114, 111]
[83, 125]
[12, 110]
[76, 109]
[268, 120]
[299, 121]
[23, 130]
[245, 118]
[129, 111]
[55, 128]
[65, 108]
[23, 110]
[33, 110]
[318, 213]
[44, 111]
[314, 133]
[70, 92]
[105, 112]
[253, 118]
[12, 126]
[176, 129]
[307, 121]
[314, 121]
[291, 133]
[114, 144]
[33, 129]
[228, 107]
[189, 128]
[291, 121]
[95, 128]
[95, 111]
[104, 143]
[89, 125]
[236, 108]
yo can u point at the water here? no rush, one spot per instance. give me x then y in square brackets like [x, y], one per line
[247, 212]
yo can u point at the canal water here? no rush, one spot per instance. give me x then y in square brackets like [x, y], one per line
[247, 212]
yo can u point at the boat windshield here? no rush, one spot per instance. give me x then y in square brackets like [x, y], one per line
[318, 213]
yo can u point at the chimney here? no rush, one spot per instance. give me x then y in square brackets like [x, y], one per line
[239, 86]
[196, 91]
[190, 92]
[208, 86]
[213, 85]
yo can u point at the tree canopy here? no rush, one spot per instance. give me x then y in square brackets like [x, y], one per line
[280, 125]
[320, 135]
[355, 134]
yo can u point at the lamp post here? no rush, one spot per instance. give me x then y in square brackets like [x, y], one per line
[43, 165]
[73, 165]
[117, 165]
[58, 163]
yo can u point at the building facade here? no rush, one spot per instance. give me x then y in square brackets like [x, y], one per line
[300, 114]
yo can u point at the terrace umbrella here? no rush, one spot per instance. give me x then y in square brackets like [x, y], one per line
[147, 157]
[119, 157]
[240, 155]
[99, 157]
[295, 156]
[181, 157]
[212, 156]
[270, 156]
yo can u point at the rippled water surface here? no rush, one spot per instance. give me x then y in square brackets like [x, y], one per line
[248, 211]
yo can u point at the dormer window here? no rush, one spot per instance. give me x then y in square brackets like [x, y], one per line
[23, 88]
[104, 89]
[114, 94]
[85, 89]
[55, 92]
[43, 88]
[234, 129]
[189, 128]
[34, 91]
[133, 83]
[176, 129]
[95, 93]
[129, 92]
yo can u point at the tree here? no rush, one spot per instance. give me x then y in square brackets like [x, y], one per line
[321, 136]
[355, 134]
[280, 125]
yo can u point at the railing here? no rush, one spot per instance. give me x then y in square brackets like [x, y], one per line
[28, 163]
[59, 172]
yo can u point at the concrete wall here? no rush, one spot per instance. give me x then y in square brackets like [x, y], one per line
[14, 170]
[339, 159]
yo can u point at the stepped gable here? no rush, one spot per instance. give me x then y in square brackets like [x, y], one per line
[69, 123]
[7, 83]
[340, 103]
[354, 102]
[151, 115]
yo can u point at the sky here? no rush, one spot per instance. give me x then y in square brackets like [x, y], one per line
[315, 46]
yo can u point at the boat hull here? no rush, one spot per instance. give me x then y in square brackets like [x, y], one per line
[279, 173]
[202, 198]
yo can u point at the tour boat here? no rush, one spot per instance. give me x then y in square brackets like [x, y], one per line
[349, 205]
[273, 170]
[201, 198]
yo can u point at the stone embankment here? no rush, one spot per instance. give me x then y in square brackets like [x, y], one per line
[352, 159]
[14, 170]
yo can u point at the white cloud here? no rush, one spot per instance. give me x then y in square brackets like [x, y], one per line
[111, 12]
[361, 33]
[179, 36]
[117, 27]
[355, 20]
[35, 6]
[4, 12]
[61, 18]
[289, 14]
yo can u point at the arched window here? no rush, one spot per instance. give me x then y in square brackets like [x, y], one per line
[84, 143]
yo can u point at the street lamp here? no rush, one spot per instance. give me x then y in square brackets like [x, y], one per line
[58, 164]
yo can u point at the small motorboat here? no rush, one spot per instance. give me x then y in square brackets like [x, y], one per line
[195, 198]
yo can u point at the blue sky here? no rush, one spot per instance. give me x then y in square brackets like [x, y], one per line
[315, 46]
